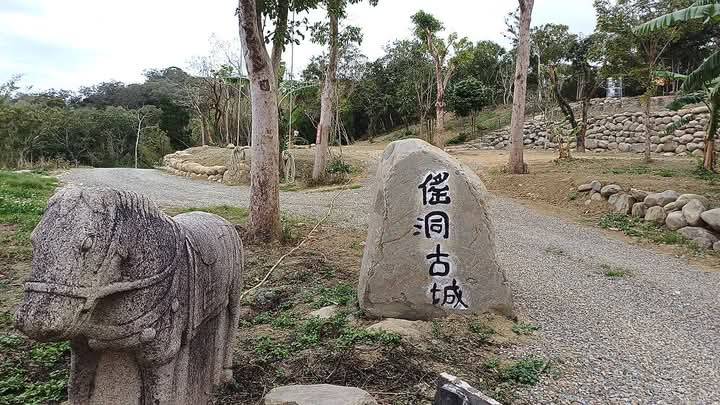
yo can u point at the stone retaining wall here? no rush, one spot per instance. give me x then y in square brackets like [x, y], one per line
[622, 132]
[178, 163]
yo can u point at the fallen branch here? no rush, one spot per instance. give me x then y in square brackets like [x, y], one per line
[295, 249]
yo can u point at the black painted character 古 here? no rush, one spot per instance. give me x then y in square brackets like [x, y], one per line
[451, 296]
[435, 189]
[437, 261]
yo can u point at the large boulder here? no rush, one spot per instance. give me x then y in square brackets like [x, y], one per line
[622, 203]
[712, 218]
[321, 394]
[701, 236]
[692, 211]
[430, 250]
[675, 206]
[656, 215]
[688, 197]
[675, 220]
[638, 195]
[661, 199]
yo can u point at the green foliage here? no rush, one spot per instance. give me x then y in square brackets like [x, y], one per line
[614, 272]
[525, 371]
[342, 295]
[638, 228]
[482, 330]
[426, 24]
[460, 139]
[338, 166]
[524, 328]
[32, 374]
[468, 96]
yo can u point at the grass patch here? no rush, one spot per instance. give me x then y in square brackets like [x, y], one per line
[23, 198]
[481, 330]
[341, 295]
[32, 373]
[645, 230]
[614, 272]
[524, 328]
[525, 371]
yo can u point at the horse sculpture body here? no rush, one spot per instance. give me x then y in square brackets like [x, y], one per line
[149, 303]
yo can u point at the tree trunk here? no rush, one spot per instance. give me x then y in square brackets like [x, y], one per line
[709, 152]
[264, 170]
[517, 163]
[582, 132]
[648, 127]
[281, 27]
[326, 105]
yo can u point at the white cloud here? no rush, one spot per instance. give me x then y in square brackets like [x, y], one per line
[99, 40]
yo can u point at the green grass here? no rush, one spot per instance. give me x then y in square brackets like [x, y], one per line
[526, 371]
[644, 169]
[481, 330]
[614, 272]
[645, 230]
[342, 295]
[524, 328]
[32, 373]
[23, 198]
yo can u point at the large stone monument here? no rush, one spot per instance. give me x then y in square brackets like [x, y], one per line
[430, 250]
[149, 303]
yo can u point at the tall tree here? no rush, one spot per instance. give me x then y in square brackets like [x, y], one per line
[264, 170]
[336, 11]
[517, 163]
[427, 28]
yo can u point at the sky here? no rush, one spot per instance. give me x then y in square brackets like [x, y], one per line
[72, 43]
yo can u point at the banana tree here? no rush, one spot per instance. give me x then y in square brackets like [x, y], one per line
[703, 84]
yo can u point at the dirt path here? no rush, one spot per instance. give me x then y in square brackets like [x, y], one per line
[649, 337]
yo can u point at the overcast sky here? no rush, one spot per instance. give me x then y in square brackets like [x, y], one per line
[73, 43]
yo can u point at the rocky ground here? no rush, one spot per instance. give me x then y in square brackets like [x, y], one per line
[619, 323]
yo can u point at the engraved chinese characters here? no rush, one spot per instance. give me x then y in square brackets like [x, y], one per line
[431, 248]
[436, 192]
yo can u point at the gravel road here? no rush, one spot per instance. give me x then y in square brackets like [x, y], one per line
[650, 337]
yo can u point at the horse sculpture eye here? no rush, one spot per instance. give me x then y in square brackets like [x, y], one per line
[87, 244]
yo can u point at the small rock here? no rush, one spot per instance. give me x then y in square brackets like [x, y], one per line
[656, 215]
[596, 186]
[675, 206]
[452, 390]
[417, 330]
[325, 312]
[712, 218]
[638, 210]
[675, 220]
[701, 236]
[661, 199]
[692, 211]
[267, 299]
[321, 394]
[595, 196]
[610, 189]
[583, 188]
[623, 203]
[638, 195]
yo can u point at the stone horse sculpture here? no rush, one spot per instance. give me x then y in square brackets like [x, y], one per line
[149, 303]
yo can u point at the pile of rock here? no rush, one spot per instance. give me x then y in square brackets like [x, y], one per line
[688, 214]
[179, 164]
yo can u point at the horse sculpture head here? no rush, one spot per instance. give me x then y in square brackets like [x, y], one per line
[101, 257]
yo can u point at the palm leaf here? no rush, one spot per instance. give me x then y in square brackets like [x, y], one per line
[686, 99]
[708, 71]
[704, 11]
[669, 75]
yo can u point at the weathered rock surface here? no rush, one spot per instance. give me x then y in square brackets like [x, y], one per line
[716, 246]
[661, 199]
[622, 204]
[596, 186]
[692, 211]
[595, 196]
[454, 391]
[610, 189]
[325, 312]
[638, 195]
[432, 209]
[712, 218]
[321, 394]
[144, 329]
[688, 197]
[583, 188]
[638, 210]
[656, 215]
[675, 205]
[675, 220]
[418, 330]
[701, 236]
